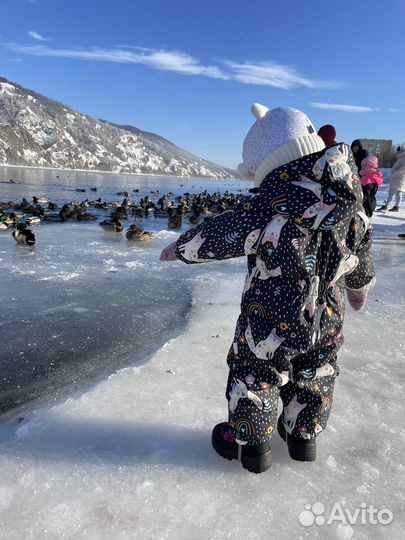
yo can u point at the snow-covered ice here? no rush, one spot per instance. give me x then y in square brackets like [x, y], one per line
[130, 457]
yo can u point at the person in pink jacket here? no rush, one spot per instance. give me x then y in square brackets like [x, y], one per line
[370, 178]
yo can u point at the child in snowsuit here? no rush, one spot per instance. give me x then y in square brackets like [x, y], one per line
[306, 238]
[370, 178]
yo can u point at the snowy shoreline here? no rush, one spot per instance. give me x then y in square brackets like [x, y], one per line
[97, 171]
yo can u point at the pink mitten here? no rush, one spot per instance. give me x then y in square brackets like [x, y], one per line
[357, 299]
[169, 253]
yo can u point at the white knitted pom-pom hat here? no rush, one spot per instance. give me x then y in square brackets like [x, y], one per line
[277, 137]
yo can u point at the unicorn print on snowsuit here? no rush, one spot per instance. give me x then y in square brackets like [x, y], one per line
[265, 348]
[273, 230]
[239, 391]
[291, 413]
[260, 271]
[190, 249]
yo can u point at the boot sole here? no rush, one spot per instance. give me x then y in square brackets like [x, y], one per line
[297, 451]
[254, 464]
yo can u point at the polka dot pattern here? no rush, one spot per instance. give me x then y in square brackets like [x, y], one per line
[305, 236]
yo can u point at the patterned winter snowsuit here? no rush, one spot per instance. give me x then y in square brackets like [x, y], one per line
[305, 236]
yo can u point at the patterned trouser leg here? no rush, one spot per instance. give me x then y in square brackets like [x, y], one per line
[253, 402]
[253, 392]
[307, 402]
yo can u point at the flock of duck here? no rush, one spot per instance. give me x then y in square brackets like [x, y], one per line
[194, 207]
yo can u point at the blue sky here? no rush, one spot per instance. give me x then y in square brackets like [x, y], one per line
[189, 71]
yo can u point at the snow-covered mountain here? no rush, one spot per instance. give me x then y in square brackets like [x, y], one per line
[40, 132]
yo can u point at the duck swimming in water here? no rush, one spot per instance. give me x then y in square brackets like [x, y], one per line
[112, 225]
[60, 216]
[175, 218]
[23, 236]
[3, 220]
[138, 234]
[196, 215]
[39, 200]
[86, 216]
[10, 219]
[34, 220]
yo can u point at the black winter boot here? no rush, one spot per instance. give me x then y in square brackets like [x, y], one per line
[256, 459]
[394, 209]
[382, 208]
[299, 449]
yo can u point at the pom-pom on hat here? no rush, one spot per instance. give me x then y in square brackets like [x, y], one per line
[277, 137]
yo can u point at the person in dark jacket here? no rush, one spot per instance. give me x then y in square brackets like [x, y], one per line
[328, 134]
[306, 239]
[359, 153]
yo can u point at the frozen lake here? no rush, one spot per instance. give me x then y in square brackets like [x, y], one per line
[80, 304]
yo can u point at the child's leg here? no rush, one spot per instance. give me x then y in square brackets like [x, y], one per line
[253, 401]
[372, 199]
[369, 200]
[308, 400]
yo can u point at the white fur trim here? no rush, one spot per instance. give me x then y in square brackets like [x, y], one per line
[244, 171]
[303, 146]
[259, 111]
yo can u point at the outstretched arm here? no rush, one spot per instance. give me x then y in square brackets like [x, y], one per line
[334, 196]
[232, 234]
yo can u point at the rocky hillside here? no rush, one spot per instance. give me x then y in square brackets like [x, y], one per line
[40, 132]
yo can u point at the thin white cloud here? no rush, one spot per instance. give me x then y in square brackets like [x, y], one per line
[344, 108]
[273, 74]
[255, 73]
[394, 110]
[158, 59]
[38, 37]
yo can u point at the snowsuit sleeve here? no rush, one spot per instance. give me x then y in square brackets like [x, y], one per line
[359, 240]
[231, 234]
[331, 196]
[340, 200]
